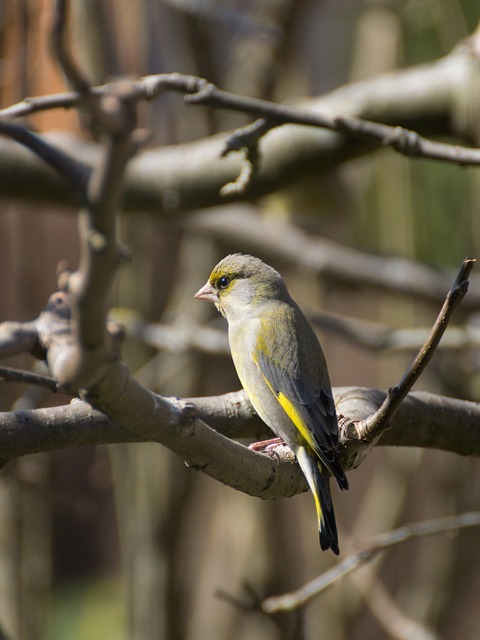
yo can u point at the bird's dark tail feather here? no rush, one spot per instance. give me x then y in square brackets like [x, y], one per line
[319, 482]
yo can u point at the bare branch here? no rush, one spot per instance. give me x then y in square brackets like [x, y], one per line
[424, 419]
[327, 258]
[378, 336]
[74, 76]
[408, 143]
[373, 546]
[395, 622]
[100, 255]
[73, 170]
[200, 446]
[8, 374]
[421, 99]
[17, 337]
[60, 50]
[379, 421]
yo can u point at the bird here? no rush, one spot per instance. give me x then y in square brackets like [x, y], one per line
[282, 368]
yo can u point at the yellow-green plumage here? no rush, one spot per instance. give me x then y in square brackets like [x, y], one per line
[282, 368]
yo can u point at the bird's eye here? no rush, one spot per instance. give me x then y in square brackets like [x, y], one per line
[223, 282]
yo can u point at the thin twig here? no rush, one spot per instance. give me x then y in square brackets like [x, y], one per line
[73, 73]
[60, 49]
[75, 171]
[373, 546]
[200, 91]
[9, 374]
[248, 171]
[375, 424]
[406, 142]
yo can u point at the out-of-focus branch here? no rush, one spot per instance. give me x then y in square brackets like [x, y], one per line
[18, 337]
[87, 99]
[429, 99]
[61, 52]
[209, 340]
[380, 337]
[389, 615]
[371, 547]
[179, 339]
[73, 170]
[9, 374]
[282, 241]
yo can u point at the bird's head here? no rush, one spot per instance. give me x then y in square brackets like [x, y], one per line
[242, 283]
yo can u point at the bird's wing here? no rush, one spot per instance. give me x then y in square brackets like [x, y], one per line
[309, 405]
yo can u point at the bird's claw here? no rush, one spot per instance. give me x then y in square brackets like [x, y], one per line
[267, 446]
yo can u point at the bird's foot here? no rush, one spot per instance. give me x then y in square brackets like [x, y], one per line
[267, 446]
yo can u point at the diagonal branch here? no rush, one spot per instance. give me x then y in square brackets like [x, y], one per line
[326, 258]
[9, 374]
[66, 165]
[373, 546]
[375, 424]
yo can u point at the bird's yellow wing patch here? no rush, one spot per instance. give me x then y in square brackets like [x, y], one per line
[293, 414]
[295, 417]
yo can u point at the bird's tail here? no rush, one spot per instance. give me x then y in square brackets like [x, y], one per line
[319, 482]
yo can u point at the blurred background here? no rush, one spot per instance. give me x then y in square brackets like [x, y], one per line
[125, 541]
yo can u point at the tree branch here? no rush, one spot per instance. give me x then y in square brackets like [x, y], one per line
[376, 335]
[327, 258]
[376, 424]
[372, 546]
[423, 420]
[63, 163]
[424, 99]
[9, 374]
[84, 357]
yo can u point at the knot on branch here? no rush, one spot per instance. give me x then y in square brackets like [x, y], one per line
[355, 443]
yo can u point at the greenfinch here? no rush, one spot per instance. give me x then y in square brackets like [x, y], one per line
[282, 368]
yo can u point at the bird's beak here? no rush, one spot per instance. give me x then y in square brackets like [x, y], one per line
[207, 292]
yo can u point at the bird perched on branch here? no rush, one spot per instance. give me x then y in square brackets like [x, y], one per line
[282, 368]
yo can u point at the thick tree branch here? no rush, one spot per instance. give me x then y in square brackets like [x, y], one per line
[423, 420]
[429, 99]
